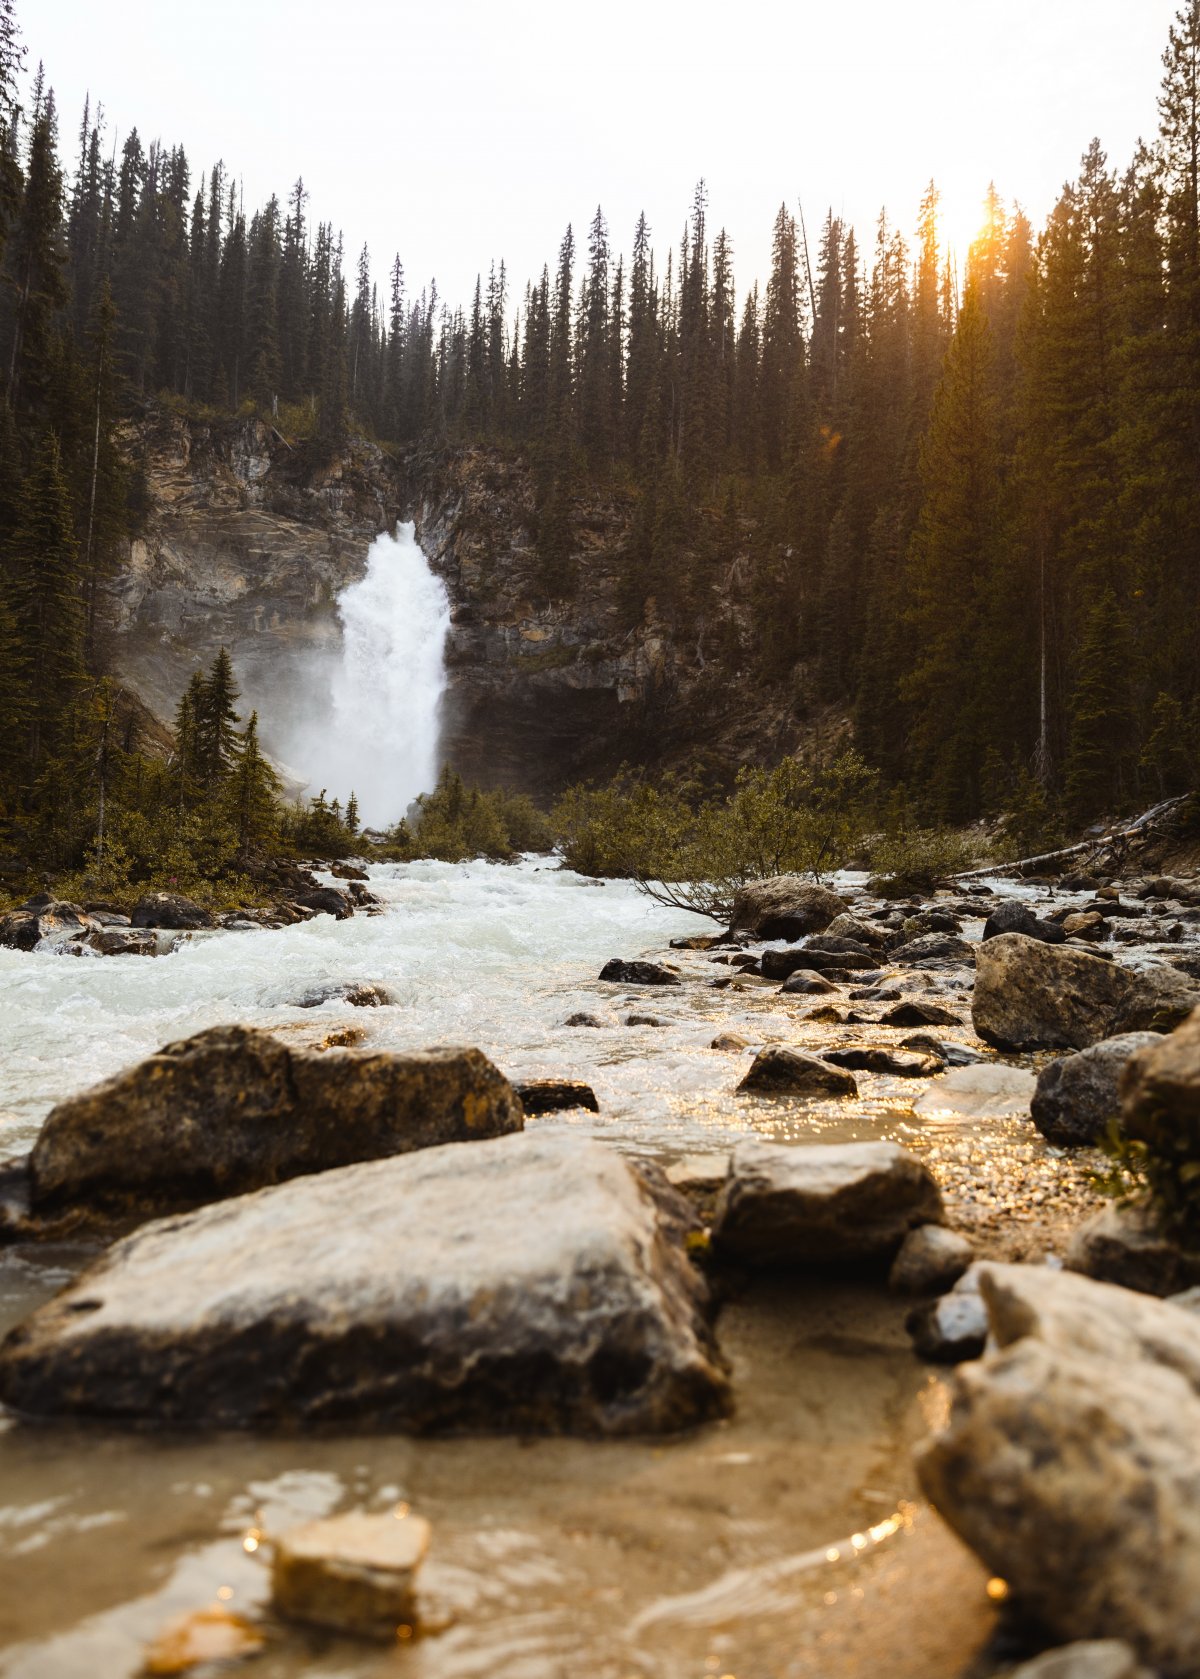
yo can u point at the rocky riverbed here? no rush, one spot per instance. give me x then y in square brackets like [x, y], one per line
[787, 1535]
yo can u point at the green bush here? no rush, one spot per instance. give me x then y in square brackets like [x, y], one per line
[456, 822]
[911, 861]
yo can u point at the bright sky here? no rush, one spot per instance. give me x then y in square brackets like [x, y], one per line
[455, 131]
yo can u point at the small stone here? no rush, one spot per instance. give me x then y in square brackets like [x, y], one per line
[353, 1573]
[582, 1018]
[729, 1043]
[209, 1635]
[544, 1096]
[826, 1016]
[618, 972]
[807, 984]
[947, 1049]
[780, 1071]
[644, 1020]
[915, 1013]
[951, 1329]
[930, 1261]
[880, 1058]
[1086, 925]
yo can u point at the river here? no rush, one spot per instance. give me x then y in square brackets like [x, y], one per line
[708, 1555]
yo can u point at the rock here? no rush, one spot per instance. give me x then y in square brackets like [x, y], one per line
[807, 984]
[782, 964]
[530, 1283]
[118, 941]
[931, 1260]
[545, 1096]
[1127, 1245]
[1160, 1085]
[1074, 1314]
[780, 1071]
[326, 900]
[953, 1328]
[880, 1058]
[233, 1109]
[43, 920]
[1188, 1301]
[1097, 1658]
[359, 996]
[582, 1018]
[637, 973]
[1030, 995]
[354, 1573]
[982, 1090]
[826, 1016]
[1076, 1096]
[875, 994]
[698, 941]
[645, 1020]
[847, 926]
[822, 1203]
[730, 1043]
[915, 1013]
[841, 946]
[202, 1638]
[934, 947]
[1088, 925]
[172, 910]
[1077, 1481]
[698, 1175]
[784, 907]
[1013, 916]
[946, 1049]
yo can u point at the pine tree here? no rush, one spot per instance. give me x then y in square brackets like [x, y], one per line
[46, 598]
[216, 723]
[254, 788]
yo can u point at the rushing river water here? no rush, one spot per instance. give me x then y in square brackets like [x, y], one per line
[668, 1560]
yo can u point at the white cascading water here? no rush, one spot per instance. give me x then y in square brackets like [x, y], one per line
[378, 735]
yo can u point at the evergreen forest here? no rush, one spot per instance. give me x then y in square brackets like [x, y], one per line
[967, 497]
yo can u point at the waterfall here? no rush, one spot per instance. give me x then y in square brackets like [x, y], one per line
[377, 733]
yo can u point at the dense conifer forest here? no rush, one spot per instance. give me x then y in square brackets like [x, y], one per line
[964, 505]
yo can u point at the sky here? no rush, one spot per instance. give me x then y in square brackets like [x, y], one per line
[460, 131]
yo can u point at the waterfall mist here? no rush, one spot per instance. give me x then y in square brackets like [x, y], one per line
[368, 721]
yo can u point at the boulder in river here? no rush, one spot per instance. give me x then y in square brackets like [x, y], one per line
[1030, 995]
[43, 919]
[780, 1071]
[1014, 916]
[354, 1573]
[1076, 1096]
[547, 1096]
[934, 947]
[171, 910]
[914, 1012]
[1076, 1479]
[1160, 1086]
[1128, 1245]
[233, 1109]
[326, 900]
[882, 1058]
[618, 972]
[787, 906]
[361, 994]
[805, 983]
[822, 1203]
[533, 1284]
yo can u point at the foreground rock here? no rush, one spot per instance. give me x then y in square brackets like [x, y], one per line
[234, 1109]
[354, 1573]
[1077, 1096]
[952, 1328]
[1097, 1658]
[822, 1203]
[779, 1071]
[1160, 1087]
[529, 1283]
[1077, 1480]
[1030, 995]
[787, 906]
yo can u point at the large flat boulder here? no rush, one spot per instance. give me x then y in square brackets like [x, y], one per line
[534, 1283]
[824, 1203]
[233, 1109]
[1077, 1480]
[1030, 995]
[787, 906]
[1077, 1096]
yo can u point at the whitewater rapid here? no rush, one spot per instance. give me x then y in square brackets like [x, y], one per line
[371, 718]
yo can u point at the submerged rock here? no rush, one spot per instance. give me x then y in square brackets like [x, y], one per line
[1076, 1479]
[787, 906]
[638, 973]
[1030, 995]
[822, 1203]
[1077, 1096]
[233, 1109]
[545, 1096]
[531, 1283]
[979, 1090]
[171, 910]
[780, 1071]
[354, 1573]
[360, 995]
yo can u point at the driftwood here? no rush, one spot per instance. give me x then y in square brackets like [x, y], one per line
[1112, 846]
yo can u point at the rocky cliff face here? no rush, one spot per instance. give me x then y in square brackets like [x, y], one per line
[248, 539]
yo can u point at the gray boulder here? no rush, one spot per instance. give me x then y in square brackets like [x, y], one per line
[43, 920]
[823, 1203]
[780, 1071]
[787, 906]
[637, 973]
[172, 910]
[931, 1260]
[529, 1283]
[1129, 1246]
[1077, 1480]
[233, 1109]
[1013, 916]
[1077, 1096]
[1030, 995]
[914, 1012]
[934, 947]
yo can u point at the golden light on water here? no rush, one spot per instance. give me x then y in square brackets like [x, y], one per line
[402, 1509]
[997, 1589]
[251, 1540]
[224, 1593]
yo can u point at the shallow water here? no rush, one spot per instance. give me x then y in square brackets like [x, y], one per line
[665, 1560]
